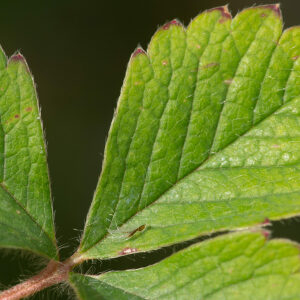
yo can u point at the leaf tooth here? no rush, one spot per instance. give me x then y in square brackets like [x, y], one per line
[18, 58]
[138, 51]
[226, 15]
[275, 7]
[174, 22]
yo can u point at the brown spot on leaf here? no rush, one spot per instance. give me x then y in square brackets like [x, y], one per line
[28, 108]
[128, 250]
[17, 116]
[18, 212]
[228, 81]
[164, 62]
[198, 46]
[295, 57]
[140, 228]
[210, 65]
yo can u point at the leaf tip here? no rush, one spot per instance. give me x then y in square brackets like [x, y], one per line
[275, 8]
[18, 57]
[266, 222]
[138, 51]
[174, 22]
[225, 13]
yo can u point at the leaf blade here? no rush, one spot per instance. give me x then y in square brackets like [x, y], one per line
[231, 92]
[232, 266]
[24, 173]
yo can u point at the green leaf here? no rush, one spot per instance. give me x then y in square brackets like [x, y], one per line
[26, 219]
[206, 136]
[233, 266]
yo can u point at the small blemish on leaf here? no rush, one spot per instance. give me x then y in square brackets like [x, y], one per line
[263, 15]
[295, 57]
[28, 108]
[286, 156]
[128, 250]
[164, 62]
[210, 65]
[198, 46]
[17, 116]
[275, 146]
[228, 81]
[18, 212]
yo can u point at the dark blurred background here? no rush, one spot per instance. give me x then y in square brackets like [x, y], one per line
[78, 52]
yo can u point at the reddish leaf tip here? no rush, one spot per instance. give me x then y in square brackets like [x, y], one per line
[266, 221]
[275, 8]
[17, 57]
[172, 23]
[225, 13]
[138, 51]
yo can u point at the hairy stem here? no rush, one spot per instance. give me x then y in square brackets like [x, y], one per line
[54, 273]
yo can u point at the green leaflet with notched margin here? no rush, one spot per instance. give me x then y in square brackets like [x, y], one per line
[233, 266]
[26, 219]
[206, 135]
